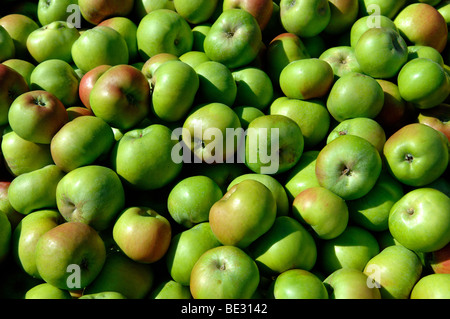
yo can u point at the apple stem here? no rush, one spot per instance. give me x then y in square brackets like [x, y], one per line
[410, 211]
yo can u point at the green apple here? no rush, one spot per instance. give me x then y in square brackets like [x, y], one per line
[8, 50]
[416, 154]
[142, 7]
[342, 60]
[19, 26]
[104, 295]
[24, 68]
[324, 212]
[191, 199]
[352, 249]
[305, 18]
[82, 191]
[12, 84]
[234, 38]
[128, 29]
[350, 283]
[142, 234]
[254, 87]
[343, 14]
[163, 30]
[131, 162]
[439, 260]
[423, 51]
[355, 95]
[194, 58]
[243, 214]
[216, 83]
[262, 9]
[287, 245]
[76, 111]
[199, 32]
[47, 291]
[97, 46]
[170, 289]
[37, 116]
[50, 11]
[98, 10]
[365, 23]
[224, 272]
[388, 8]
[432, 286]
[195, 12]
[349, 166]
[35, 190]
[186, 248]
[14, 216]
[424, 83]
[394, 112]
[151, 65]
[420, 220]
[5, 237]
[246, 114]
[66, 245]
[80, 142]
[437, 117]
[299, 284]
[395, 269]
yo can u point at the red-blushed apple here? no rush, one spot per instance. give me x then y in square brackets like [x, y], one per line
[432, 286]
[142, 234]
[299, 284]
[5, 206]
[153, 63]
[260, 9]
[437, 117]
[25, 68]
[19, 26]
[343, 14]
[350, 283]
[87, 83]
[98, 10]
[439, 260]
[12, 84]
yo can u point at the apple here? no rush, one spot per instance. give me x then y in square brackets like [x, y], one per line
[87, 82]
[121, 97]
[439, 260]
[422, 24]
[163, 30]
[423, 51]
[5, 237]
[97, 46]
[421, 213]
[254, 87]
[342, 60]
[224, 272]
[37, 116]
[12, 84]
[52, 41]
[35, 190]
[234, 39]
[24, 68]
[19, 26]
[388, 8]
[47, 291]
[261, 9]
[51, 11]
[432, 286]
[191, 199]
[195, 12]
[14, 216]
[80, 142]
[81, 192]
[246, 114]
[395, 269]
[416, 154]
[343, 14]
[299, 284]
[152, 64]
[70, 243]
[96, 11]
[142, 7]
[199, 31]
[365, 23]
[8, 50]
[305, 18]
[194, 58]
[350, 283]
[104, 295]
[76, 111]
[170, 289]
[243, 214]
[185, 249]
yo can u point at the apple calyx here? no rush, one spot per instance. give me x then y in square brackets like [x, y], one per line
[409, 158]
[410, 211]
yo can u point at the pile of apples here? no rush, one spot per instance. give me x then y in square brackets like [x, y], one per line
[225, 149]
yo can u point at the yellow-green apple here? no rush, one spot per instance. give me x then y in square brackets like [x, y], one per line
[19, 26]
[216, 83]
[444, 9]
[123, 275]
[322, 211]
[37, 116]
[163, 30]
[420, 220]
[52, 41]
[234, 38]
[395, 269]
[22, 156]
[312, 116]
[47, 291]
[306, 79]
[350, 283]
[96, 11]
[142, 234]
[14, 216]
[49, 11]
[194, 58]
[243, 214]
[437, 117]
[254, 87]
[281, 135]
[191, 199]
[97, 46]
[27, 234]
[8, 50]
[432, 286]
[149, 67]
[142, 7]
[260, 9]
[12, 84]
[80, 142]
[175, 87]
[299, 284]
[287, 245]
[349, 166]
[199, 32]
[104, 295]
[121, 97]
[388, 8]
[131, 162]
[195, 12]
[246, 114]
[355, 95]
[352, 249]
[35, 190]
[127, 28]
[422, 24]
[91, 194]
[224, 272]
[24, 68]
[305, 18]
[365, 23]
[185, 249]
[342, 60]
[66, 245]
[87, 82]
[170, 289]
[343, 14]
[416, 154]
[5, 236]
[57, 77]
[423, 51]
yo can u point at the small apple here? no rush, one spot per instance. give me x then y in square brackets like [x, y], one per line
[19, 26]
[12, 84]
[50, 11]
[199, 31]
[432, 286]
[24, 68]
[96, 11]
[299, 284]
[8, 50]
[437, 117]
[261, 9]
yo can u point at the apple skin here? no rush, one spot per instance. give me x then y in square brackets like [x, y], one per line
[37, 116]
[396, 269]
[19, 26]
[365, 23]
[224, 272]
[170, 289]
[342, 60]
[388, 8]
[254, 87]
[439, 260]
[416, 154]
[8, 50]
[350, 283]
[142, 234]
[47, 291]
[199, 32]
[343, 14]
[246, 114]
[142, 7]
[12, 84]
[195, 12]
[24, 68]
[185, 249]
[422, 51]
[87, 82]
[241, 216]
[81, 192]
[194, 58]
[234, 39]
[432, 286]
[96, 11]
[104, 295]
[50, 11]
[121, 97]
[5, 238]
[14, 216]
[421, 213]
[261, 9]
[80, 142]
[299, 284]
[437, 118]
